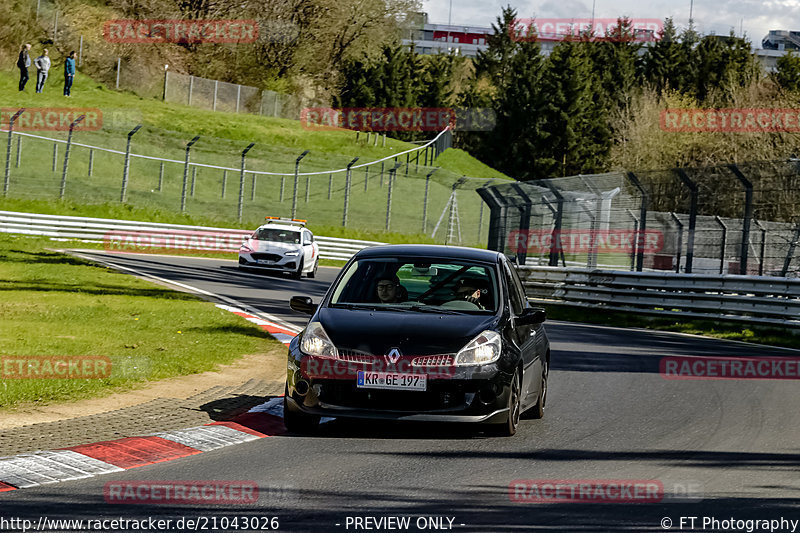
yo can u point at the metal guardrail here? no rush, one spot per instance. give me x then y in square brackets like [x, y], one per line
[728, 297]
[98, 230]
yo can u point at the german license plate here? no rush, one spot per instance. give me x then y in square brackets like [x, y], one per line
[264, 262]
[391, 380]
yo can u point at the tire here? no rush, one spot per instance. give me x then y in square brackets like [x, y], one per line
[299, 422]
[299, 273]
[509, 427]
[537, 411]
[313, 273]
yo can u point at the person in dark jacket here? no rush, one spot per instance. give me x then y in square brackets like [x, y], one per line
[69, 72]
[23, 62]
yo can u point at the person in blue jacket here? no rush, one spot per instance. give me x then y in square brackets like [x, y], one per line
[69, 72]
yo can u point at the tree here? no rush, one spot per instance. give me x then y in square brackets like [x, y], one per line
[788, 72]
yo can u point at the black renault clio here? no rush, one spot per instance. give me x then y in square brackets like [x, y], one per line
[423, 333]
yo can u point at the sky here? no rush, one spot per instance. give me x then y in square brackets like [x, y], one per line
[754, 17]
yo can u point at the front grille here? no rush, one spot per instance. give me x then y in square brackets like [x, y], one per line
[345, 394]
[433, 360]
[269, 257]
[354, 356]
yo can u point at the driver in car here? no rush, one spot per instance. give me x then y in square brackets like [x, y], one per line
[470, 290]
[389, 290]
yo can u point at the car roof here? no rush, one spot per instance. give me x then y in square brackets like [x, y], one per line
[429, 250]
[284, 227]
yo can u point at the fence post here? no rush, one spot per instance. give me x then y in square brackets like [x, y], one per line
[723, 244]
[224, 182]
[763, 246]
[296, 177]
[91, 161]
[55, 27]
[119, 65]
[425, 200]
[408, 156]
[366, 178]
[186, 173]
[19, 150]
[238, 96]
[692, 216]
[66, 155]
[194, 177]
[347, 191]
[55, 155]
[126, 166]
[80, 52]
[191, 89]
[790, 253]
[640, 240]
[283, 183]
[392, 172]
[480, 212]
[556, 235]
[635, 232]
[216, 86]
[8, 150]
[382, 163]
[748, 216]
[330, 185]
[241, 181]
[160, 176]
[680, 241]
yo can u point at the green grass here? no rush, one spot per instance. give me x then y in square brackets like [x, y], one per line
[167, 128]
[56, 305]
[768, 335]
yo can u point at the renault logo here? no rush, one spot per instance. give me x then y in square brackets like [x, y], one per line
[393, 355]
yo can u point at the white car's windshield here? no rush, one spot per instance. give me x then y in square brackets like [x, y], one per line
[277, 235]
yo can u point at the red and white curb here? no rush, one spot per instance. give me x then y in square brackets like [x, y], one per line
[88, 460]
[78, 462]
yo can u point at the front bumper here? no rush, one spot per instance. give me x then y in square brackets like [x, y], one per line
[281, 264]
[467, 394]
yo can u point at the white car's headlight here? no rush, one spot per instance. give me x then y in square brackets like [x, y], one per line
[316, 342]
[246, 249]
[292, 254]
[483, 349]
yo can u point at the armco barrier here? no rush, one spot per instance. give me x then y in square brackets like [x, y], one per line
[95, 229]
[729, 297]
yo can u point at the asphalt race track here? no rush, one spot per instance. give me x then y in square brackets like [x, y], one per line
[720, 448]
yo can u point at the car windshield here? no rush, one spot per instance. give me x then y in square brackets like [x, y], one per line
[277, 235]
[423, 285]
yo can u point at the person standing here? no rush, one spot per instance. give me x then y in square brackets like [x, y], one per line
[42, 68]
[69, 72]
[23, 62]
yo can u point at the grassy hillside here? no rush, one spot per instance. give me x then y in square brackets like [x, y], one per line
[278, 142]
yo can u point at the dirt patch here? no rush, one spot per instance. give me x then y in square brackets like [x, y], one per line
[267, 366]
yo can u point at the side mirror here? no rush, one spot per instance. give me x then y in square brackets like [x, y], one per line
[307, 243]
[532, 315]
[303, 304]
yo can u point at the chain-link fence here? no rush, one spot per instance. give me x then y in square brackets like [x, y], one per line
[210, 178]
[682, 220]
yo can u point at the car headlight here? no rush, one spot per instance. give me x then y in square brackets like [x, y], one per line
[292, 254]
[316, 342]
[246, 249]
[483, 349]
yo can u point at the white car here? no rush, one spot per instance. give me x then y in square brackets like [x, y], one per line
[281, 245]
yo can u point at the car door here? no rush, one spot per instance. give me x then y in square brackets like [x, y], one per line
[525, 334]
[308, 250]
